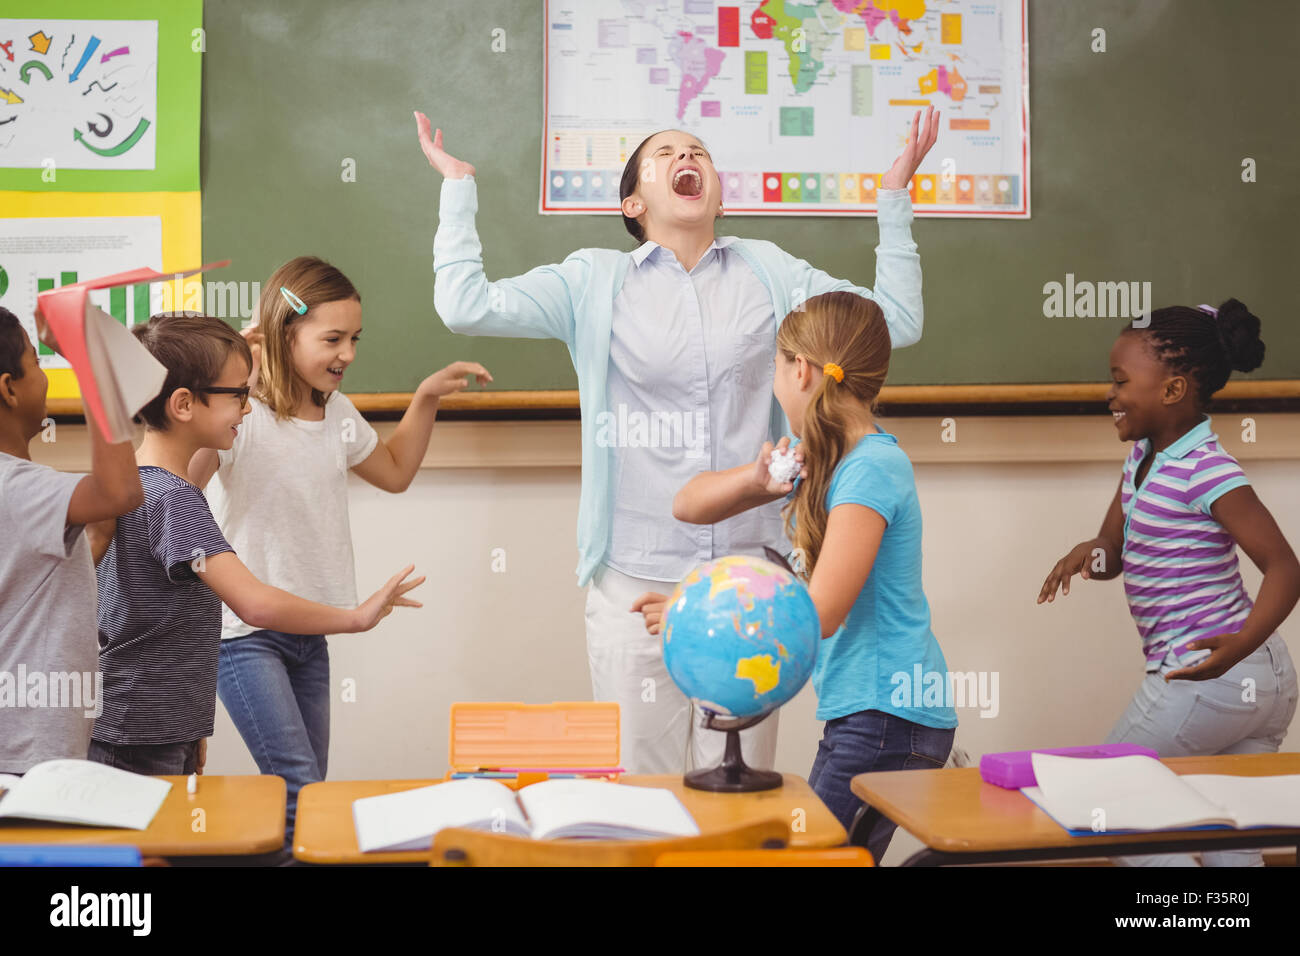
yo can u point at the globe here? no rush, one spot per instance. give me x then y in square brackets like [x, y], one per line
[740, 636]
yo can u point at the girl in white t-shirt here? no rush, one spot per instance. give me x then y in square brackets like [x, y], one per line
[280, 497]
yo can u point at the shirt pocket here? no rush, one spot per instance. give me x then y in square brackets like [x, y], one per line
[754, 362]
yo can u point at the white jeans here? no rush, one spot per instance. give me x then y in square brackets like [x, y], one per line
[658, 732]
[1246, 711]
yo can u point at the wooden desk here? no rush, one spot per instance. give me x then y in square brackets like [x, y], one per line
[962, 819]
[325, 833]
[242, 815]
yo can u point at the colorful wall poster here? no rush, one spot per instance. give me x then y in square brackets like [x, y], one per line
[91, 103]
[56, 240]
[803, 105]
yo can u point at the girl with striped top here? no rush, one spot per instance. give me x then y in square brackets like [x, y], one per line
[1219, 679]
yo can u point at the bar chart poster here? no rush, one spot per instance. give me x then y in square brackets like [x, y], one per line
[62, 238]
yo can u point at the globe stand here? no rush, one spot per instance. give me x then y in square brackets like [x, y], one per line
[733, 775]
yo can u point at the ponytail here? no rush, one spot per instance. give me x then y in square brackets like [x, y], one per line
[845, 335]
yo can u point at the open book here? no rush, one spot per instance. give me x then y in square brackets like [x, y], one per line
[82, 791]
[552, 809]
[117, 375]
[1136, 793]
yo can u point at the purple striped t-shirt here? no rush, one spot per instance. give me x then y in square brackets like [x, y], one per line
[1180, 565]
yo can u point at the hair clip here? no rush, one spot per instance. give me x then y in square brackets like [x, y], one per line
[1209, 308]
[833, 370]
[293, 300]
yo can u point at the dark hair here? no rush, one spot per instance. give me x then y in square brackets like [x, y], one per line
[194, 349]
[627, 185]
[1205, 347]
[12, 344]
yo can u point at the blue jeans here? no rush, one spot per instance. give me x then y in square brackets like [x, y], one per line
[276, 688]
[152, 759]
[865, 742]
[1189, 718]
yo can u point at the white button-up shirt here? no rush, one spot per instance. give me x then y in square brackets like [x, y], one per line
[692, 357]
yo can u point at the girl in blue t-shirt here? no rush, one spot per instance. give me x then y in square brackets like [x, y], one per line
[881, 680]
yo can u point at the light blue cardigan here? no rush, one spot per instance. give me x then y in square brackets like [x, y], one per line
[573, 301]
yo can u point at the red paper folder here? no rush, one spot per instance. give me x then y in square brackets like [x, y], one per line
[117, 375]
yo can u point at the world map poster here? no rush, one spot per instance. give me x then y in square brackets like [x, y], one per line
[802, 106]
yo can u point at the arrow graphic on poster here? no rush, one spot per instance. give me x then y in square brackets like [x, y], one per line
[121, 147]
[25, 74]
[97, 131]
[11, 98]
[40, 42]
[91, 47]
[108, 56]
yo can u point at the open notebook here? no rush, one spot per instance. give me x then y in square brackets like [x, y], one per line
[82, 791]
[1121, 794]
[552, 809]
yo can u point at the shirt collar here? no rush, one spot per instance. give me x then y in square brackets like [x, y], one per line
[648, 248]
[1193, 439]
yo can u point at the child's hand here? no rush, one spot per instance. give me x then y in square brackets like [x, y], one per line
[439, 159]
[652, 606]
[1226, 651]
[43, 332]
[918, 144]
[203, 755]
[453, 378]
[253, 336]
[380, 604]
[763, 477]
[1076, 562]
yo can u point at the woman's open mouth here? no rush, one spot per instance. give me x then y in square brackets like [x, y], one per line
[688, 183]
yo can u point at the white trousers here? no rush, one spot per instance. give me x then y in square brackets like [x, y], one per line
[659, 727]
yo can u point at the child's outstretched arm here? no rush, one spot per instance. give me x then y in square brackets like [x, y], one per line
[536, 305]
[1251, 525]
[1098, 559]
[269, 608]
[113, 486]
[849, 549]
[714, 496]
[393, 464]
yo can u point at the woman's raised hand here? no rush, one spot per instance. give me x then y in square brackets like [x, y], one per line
[918, 144]
[439, 158]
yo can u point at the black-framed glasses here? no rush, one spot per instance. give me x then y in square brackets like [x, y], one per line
[242, 391]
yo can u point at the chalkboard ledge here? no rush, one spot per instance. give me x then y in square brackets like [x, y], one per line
[898, 400]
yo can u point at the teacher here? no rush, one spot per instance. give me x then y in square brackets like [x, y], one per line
[674, 345]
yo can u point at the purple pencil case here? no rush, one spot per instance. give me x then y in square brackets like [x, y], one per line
[1014, 769]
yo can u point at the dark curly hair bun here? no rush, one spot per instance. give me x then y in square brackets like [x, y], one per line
[1239, 330]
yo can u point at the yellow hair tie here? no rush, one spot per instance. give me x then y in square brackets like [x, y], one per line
[830, 368]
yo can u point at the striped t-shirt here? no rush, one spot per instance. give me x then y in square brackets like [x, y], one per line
[1180, 565]
[159, 624]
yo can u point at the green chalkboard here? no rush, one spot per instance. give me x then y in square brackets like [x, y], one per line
[1136, 159]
